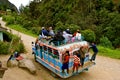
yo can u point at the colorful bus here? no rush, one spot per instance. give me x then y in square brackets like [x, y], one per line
[50, 56]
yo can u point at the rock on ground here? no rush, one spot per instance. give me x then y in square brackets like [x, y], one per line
[27, 64]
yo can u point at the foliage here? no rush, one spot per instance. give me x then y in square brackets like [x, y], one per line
[109, 52]
[105, 42]
[9, 19]
[23, 30]
[4, 46]
[7, 36]
[89, 35]
[100, 16]
[11, 43]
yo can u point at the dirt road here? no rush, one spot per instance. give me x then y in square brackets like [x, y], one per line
[105, 68]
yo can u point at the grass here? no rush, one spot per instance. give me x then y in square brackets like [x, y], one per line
[23, 30]
[109, 52]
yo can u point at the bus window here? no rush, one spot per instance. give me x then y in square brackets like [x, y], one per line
[49, 51]
[56, 54]
[44, 48]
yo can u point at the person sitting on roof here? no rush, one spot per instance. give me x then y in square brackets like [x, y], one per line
[44, 32]
[68, 31]
[67, 36]
[51, 32]
[78, 35]
[57, 39]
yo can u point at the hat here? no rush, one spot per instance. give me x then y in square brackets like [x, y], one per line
[43, 27]
[68, 29]
[78, 30]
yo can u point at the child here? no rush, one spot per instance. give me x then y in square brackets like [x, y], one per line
[66, 62]
[76, 63]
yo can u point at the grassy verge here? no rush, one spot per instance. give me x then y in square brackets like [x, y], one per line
[109, 52]
[23, 30]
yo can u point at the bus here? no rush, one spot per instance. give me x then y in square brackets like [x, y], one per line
[50, 56]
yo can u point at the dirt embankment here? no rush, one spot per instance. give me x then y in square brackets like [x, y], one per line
[105, 68]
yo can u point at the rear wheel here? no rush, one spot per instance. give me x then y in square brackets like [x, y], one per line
[86, 69]
[54, 75]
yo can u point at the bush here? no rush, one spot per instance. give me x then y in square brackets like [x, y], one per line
[4, 47]
[27, 25]
[88, 35]
[59, 26]
[17, 41]
[35, 30]
[20, 48]
[105, 42]
[12, 43]
[9, 19]
[7, 36]
[72, 27]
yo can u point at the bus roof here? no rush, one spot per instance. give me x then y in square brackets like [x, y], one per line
[73, 46]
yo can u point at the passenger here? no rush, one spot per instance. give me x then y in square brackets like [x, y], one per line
[44, 32]
[76, 63]
[78, 35]
[82, 55]
[68, 31]
[33, 48]
[74, 35]
[51, 32]
[67, 37]
[78, 54]
[57, 39]
[66, 62]
[36, 43]
[95, 50]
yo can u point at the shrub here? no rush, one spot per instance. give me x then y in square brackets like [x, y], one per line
[7, 36]
[105, 42]
[72, 27]
[88, 35]
[4, 47]
[35, 30]
[9, 19]
[59, 26]
[12, 43]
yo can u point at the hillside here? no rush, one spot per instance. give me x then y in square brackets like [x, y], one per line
[5, 4]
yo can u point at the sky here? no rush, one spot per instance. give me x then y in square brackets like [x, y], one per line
[18, 3]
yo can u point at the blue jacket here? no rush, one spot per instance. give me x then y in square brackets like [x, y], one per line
[45, 32]
[94, 48]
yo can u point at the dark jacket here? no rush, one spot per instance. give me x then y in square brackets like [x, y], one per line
[94, 48]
